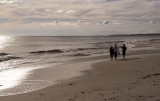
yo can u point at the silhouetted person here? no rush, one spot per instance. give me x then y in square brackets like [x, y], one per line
[111, 52]
[124, 48]
[116, 51]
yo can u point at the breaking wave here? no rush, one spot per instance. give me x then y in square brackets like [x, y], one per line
[48, 52]
[7, 58]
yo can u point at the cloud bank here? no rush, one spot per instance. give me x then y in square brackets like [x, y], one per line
[97, 16]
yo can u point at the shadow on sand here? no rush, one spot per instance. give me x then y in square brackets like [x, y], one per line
[128, 59]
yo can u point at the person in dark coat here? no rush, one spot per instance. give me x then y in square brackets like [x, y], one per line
[111, 52]
[124, 48]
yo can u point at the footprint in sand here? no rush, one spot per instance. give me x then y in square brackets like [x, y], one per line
[71, 100]
[72, 84]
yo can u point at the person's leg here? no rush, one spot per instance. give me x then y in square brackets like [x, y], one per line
[124, 54]
[111, 56]
[115, 55]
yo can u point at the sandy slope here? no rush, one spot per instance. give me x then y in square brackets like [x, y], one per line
[135, 79]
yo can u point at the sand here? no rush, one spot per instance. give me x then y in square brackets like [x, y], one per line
[135, 79]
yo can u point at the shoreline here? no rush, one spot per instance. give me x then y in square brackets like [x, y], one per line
[33, 79]
[108, 86]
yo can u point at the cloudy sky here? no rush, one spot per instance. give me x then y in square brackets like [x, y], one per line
[79, 17]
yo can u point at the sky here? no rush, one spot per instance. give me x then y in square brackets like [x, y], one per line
[79, 17]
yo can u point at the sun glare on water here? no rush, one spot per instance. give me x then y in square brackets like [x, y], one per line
[4, 40]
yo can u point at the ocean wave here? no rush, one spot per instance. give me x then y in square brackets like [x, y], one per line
[48, 51]
[153, 40]
[149, 34]
[97, 48]
[3, 54]
[81, 49]
[7, 58]
[55, 51]
[108, 42]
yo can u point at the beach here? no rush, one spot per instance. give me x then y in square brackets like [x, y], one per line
[79, 50]
[51, 68]
[135, 79]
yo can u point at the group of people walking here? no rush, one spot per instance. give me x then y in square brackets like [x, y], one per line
[114, 51]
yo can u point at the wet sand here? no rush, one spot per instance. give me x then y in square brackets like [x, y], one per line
[135, 79]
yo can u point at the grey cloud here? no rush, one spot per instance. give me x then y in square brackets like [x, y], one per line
[37, 19]
[105, 22]
[81, 21]
[3, 20]
[27, 20]
[83, 12]
[115, 22]
[24, 12]
[61, 23]
[128, 12]
[152, 22]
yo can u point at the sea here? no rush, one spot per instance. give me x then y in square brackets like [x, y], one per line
[29, 63]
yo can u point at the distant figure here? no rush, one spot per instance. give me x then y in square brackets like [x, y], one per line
[116, 51]
[111, 52]
[124, 48]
